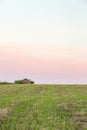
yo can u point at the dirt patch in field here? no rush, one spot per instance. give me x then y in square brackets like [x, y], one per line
[14, 104]
[3, 114]
[79, 117]
[81, 120]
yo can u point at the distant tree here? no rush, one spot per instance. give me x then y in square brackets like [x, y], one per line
[18, 82]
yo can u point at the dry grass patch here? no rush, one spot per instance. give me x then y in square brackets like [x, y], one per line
[4, 113]
[81, 119]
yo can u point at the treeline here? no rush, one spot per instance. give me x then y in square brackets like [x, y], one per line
[1, 83]
[15, 82]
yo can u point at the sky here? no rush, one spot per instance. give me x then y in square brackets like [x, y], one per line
[43, 40]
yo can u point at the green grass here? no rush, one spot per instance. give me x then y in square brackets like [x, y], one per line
[43, 107]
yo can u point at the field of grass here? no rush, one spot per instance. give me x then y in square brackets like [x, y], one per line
[43, 107]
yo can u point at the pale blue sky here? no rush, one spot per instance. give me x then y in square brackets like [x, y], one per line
[45, 22]
[60, 25]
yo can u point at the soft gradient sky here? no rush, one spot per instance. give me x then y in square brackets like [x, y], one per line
[45, 40]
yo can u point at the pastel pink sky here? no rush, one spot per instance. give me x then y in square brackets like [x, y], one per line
[44, 64]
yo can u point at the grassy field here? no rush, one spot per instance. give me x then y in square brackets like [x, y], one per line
[43, 107]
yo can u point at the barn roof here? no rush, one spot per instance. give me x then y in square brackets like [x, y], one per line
[28, 80]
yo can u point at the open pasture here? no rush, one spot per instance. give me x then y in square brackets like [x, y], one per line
[43, 107]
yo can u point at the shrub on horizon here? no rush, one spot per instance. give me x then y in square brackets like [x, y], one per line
[18, 82]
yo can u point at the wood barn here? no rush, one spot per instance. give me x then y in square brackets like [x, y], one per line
[28, 81]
